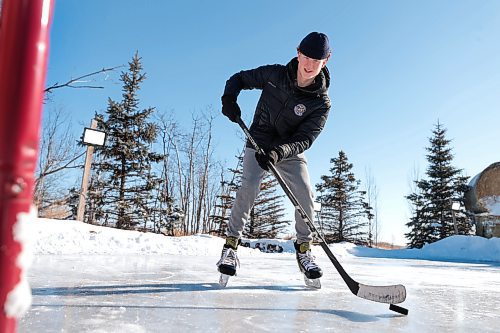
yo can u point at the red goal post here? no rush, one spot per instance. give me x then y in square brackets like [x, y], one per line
[24, 42]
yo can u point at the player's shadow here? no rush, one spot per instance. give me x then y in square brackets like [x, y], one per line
[128, 289]
[348, 315]
[123, 289]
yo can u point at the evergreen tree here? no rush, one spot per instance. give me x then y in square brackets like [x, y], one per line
[226, 197]
[94, 203]
[432, 218]
[368, 211]
[72, 201]
[124, 164]
[267, 214]
[344, 211]
[419, 229]
[371, 208]
[166, 217]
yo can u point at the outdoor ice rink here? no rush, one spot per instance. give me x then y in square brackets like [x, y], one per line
[164, 293]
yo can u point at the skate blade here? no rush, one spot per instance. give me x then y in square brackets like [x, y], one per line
[223, 279]
[312, 283]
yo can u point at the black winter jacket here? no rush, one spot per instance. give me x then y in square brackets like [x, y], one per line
[287, 118]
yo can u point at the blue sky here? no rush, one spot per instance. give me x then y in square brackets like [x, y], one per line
[398, 67]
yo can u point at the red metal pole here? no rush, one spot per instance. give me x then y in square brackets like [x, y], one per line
[24, 35]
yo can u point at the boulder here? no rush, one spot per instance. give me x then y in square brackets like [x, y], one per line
[483, 195]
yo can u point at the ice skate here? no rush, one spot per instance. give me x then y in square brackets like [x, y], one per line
[305, 260]
[229, 260]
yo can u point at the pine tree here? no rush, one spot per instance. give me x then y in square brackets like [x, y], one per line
[368, 211]
[344, 211]
[124, 164]
[419, 230]
[267, 214]
[226, 197]
[72, 200]
[94, 203]
[371, 208]
[432, 218]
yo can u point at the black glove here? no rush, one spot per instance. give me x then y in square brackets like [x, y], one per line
[270, 157]
[230, 108]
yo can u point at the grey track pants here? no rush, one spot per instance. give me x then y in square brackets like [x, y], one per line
[294, 172]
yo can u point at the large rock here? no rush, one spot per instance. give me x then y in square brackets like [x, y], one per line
[483, 200]
[484, 191]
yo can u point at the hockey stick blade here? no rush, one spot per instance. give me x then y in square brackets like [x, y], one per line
[383, 294]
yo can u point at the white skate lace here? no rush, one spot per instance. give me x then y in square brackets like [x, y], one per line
[229, 257]
[307, 261]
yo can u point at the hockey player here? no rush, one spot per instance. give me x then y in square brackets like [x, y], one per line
[290, 114]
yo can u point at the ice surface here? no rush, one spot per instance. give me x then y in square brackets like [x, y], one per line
[173, 286]
[181, 294]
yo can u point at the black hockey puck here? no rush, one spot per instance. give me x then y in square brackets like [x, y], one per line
[398, 309]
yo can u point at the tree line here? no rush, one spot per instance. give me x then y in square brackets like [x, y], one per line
[153, 176]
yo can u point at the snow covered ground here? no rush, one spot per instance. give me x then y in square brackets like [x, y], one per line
[93, 279]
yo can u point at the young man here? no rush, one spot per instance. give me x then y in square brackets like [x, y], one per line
[291, 112]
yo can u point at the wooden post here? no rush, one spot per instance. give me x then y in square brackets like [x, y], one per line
[85, 178]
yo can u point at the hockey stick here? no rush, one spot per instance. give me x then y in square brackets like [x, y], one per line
[383, 294]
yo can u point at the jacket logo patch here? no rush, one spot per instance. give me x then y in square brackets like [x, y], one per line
[299, 109]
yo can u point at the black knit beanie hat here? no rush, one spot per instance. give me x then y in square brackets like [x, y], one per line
[315, 45]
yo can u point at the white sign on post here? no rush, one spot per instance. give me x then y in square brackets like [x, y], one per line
[93, 137]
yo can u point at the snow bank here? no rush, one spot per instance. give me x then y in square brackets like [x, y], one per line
[73, 237]
[454, 248]
[492, 204]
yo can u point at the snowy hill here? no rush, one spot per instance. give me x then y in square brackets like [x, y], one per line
[73, 237]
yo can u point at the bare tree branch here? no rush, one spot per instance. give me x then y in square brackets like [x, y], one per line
[58, 151]
[65, 166]
[72, 83]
